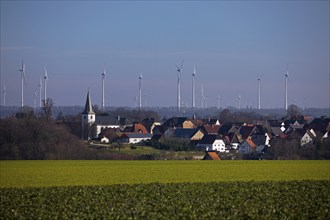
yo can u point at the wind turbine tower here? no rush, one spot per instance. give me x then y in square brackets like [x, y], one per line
[45, 86]
[140, 91]
[40, 86]
[259, 92]
[203, 96]
[35, 101]
[219, 98]
[286, 90]
[4, 92]
[103, 78]
[239, 101]
[179, 70]
[23, 82]
[193, 88]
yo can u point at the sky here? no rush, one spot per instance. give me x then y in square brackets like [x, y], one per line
[228, 42]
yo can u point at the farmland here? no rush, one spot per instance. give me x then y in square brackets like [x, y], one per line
[78, 173]
[164, 189]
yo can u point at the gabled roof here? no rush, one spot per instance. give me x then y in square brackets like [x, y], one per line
[225, 129]
[276, 131]
[185, 132]
[250, 142]
[319, 124]
[148, 122]
[211, 155]
[107, 132]
[175, 122]
[232, 138]
[211, 129]
[259, 139]
[158, 129]
[208, 139]
[88, 106]
[136, 128]
[245, 131]
[106, 120]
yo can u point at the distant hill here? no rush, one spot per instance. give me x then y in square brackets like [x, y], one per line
[167, 112]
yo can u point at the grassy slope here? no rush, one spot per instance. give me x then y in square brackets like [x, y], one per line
[70, 173]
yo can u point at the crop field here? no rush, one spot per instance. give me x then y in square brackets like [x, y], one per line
[77, 173]
[165, 190]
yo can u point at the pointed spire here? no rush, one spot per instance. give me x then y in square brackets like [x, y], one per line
[88, 106]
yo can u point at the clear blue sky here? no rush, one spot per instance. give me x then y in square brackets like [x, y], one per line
[228, 42]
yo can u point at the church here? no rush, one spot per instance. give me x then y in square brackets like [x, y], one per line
[87, 119]
[93, 124]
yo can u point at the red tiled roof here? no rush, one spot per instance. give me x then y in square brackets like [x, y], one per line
[213, 155]
[251, 143]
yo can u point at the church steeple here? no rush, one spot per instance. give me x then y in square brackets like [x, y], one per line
[87, 119]
[88, 105]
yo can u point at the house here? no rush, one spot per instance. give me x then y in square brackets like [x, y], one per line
[136, 128]
[103, 122]
[211, 155]
[192, 134]
[255, 144]
[308, 138]
[247, 146]
[212, 143]
[232, 140]
[150, 124]
[227, 128]
[210, 129]
[107, 135]
[158, 129]
[134, 138]
[178, 122]
[276, 132]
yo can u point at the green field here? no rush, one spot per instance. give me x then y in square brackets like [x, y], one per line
[165, 190]
[224, 200]
[81, 173]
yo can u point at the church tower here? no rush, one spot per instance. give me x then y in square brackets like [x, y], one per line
[87, 119]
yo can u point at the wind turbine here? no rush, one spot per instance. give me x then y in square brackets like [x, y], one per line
[179, 70]
[203, 98]
[23, 82]
[193, 88]
[45, 86]
[140, 91]
[40, 86]
[286, 90]
[35, 101]
[4, 92]
[219, 98]
[103, 78]
[239, 101]
[259, 85]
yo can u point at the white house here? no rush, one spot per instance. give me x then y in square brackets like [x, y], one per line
[212, 143]
[134, 138]
[308, 138]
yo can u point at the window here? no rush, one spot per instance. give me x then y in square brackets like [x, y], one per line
[91, 116]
